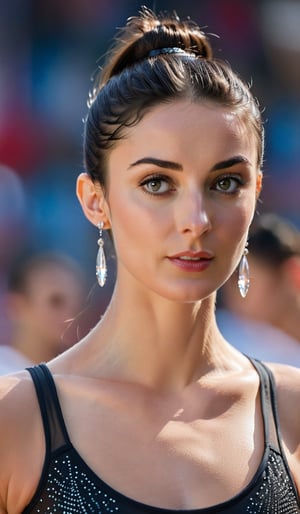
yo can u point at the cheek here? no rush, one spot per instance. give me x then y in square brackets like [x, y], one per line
[36, 315]
[234, 223]
[131, 229]
[232, 226]
[133, 215]
[44, 310]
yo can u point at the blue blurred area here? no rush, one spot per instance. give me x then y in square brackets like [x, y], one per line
[49, 49]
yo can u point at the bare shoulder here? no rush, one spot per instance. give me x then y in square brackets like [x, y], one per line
[15, 390]
[14, 387]
[287, 380]
[19, 417]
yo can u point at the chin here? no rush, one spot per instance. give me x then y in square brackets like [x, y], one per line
[187, 294]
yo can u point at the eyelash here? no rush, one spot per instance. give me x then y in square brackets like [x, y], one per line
[163, 178]
[157, 178]
[236, 178]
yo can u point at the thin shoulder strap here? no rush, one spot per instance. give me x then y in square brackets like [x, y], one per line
[273, 396]
[270, 427]
[56, 434]
[264, 371]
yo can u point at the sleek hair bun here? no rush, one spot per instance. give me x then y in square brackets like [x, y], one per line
[149, 31]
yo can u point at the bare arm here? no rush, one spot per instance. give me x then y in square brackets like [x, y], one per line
[8, 385]
[21, 437]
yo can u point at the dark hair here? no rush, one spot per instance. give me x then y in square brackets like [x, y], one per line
[133, 80]
[273, 239]
[24, 268]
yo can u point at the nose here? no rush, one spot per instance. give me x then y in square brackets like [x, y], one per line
[192, 214]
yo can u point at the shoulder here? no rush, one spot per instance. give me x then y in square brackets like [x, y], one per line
[16, 407]
[287, 383]
[15, 390]
[287, 378]
[20, 424]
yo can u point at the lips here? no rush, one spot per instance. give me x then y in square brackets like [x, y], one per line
[191, 261]
[188, 255]
[189, 258]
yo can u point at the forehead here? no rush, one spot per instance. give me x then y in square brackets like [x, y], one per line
[189, 131]
[52, 278]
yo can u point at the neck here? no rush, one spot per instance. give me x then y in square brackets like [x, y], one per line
[162, 344]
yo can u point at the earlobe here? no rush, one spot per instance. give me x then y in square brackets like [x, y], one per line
[91, 198]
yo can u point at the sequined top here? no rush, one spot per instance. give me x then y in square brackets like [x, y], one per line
[69, 486]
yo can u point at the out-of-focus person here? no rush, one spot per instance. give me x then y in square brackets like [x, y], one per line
[13, 232]
[266, 323]
[45, 293]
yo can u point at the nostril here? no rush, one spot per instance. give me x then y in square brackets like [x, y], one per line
[192, 214]
[196, 224]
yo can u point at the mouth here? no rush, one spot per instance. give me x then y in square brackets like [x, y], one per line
[192, 261]
[194, 256]
[188, 258]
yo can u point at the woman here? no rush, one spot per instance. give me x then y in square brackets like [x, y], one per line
[156, 412]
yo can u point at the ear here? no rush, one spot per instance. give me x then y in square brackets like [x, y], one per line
[259, 179]
[92, 200]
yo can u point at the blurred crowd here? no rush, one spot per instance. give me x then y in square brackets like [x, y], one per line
[266, 324]
[49, 52]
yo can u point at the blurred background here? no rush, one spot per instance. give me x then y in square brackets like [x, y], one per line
[49, 50]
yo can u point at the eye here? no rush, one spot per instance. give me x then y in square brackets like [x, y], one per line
[56, 300]
[228, 184]
[156, 185]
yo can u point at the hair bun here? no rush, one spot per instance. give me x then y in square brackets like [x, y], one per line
[149, 34]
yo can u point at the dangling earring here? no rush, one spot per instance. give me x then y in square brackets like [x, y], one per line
[101, 268]
[244, 275]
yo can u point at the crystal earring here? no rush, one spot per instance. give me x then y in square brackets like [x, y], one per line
[244, 275]
[101, 268]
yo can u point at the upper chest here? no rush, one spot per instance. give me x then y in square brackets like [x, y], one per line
[203, 449]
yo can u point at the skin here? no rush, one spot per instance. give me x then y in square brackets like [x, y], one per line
[167, 397]
[41, 314]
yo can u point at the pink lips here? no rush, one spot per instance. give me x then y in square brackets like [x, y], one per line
[191, 261]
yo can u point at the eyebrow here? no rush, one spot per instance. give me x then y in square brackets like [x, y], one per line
[228, 163]
[158, 162]
[232, 161]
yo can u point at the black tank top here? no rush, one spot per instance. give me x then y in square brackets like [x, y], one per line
[68, 486]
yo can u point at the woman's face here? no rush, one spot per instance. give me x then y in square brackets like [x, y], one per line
[181, 195]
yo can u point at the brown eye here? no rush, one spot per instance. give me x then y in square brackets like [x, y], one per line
[225, 183]
[156, 185]
[228, 184]
[56, 300]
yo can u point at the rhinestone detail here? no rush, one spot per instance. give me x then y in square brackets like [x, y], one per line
[72, 488]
